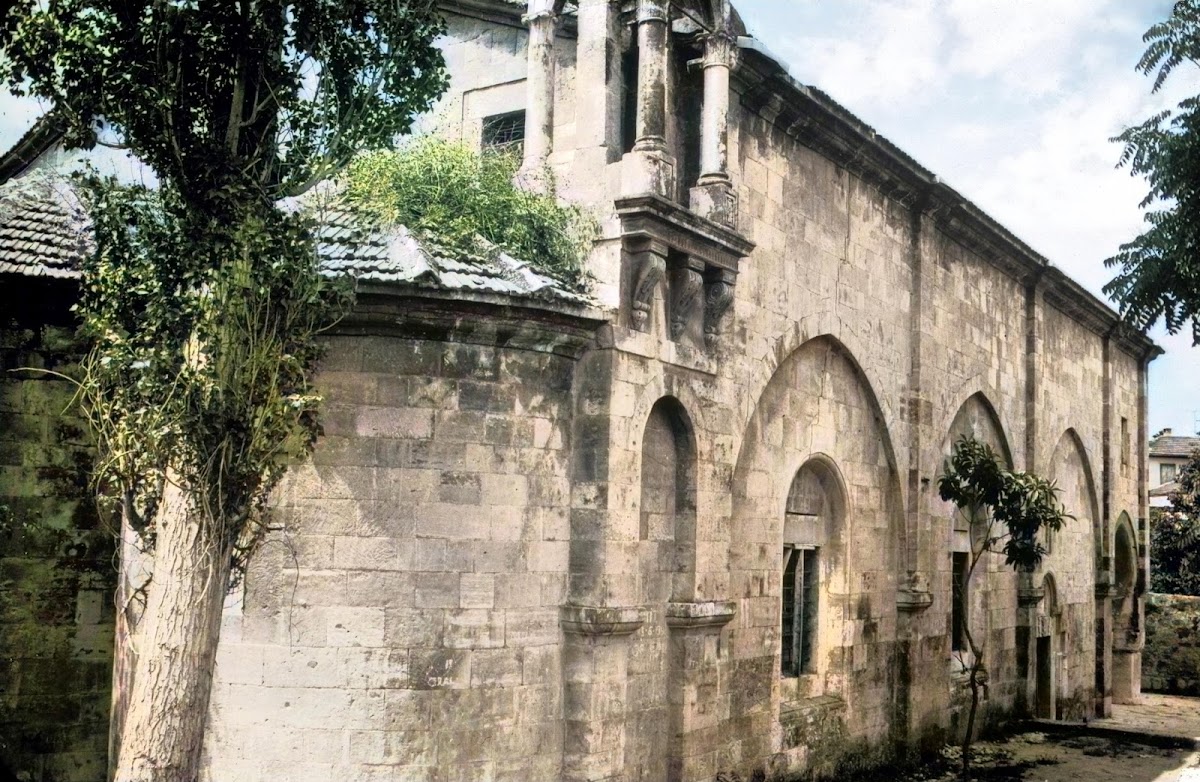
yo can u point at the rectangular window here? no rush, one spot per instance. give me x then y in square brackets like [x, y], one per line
[629, 85]
[505, 132]
[1166, 473]
[1124, 444]
[958, 613]
[801, 583]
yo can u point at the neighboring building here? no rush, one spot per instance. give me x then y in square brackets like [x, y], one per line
[1168, 455]
[689, 525]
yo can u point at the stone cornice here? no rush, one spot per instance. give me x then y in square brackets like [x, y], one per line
[387, 309]
[503, 12]
[817, 121]
[657, 218]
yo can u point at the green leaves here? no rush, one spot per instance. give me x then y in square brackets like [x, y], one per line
[453, 196]
[220, 98]
[204, 344]
[1159, 271]
[1021, 504]
[1175, 536]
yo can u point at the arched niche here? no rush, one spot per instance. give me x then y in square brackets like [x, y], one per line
[816, 438]
[1049, 641]
[1124, 558]
[1071, 470]
[668, 499]
[976, 418]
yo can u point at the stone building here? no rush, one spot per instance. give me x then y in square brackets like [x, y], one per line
[688, 525]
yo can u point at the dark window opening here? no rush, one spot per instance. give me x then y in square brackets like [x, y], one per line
[689, 105]
[958, 612]
[505, 132]
[629, 81]
[800, 601]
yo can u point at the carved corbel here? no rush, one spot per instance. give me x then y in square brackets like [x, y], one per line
[650, 267]
[716, 303]
[687, 288]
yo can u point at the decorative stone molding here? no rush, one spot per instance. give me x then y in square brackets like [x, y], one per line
[687, 287]
[708, 613]
[650, 267]
[601, 620]
[716, 303]
[653, 226]
[914, 595]
[1030, 595]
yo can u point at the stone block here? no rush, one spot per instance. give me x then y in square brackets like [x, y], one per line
[355, 626]
[473, 628]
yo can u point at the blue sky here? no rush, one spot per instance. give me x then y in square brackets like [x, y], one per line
[1012, 102]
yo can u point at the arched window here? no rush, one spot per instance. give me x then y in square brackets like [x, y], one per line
[814, 509]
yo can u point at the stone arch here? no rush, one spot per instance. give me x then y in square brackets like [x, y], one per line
[1071, 468]
[667, 500]
[817, 409]
[1049, 641]
[978, 417]
[823, 325]
[1126, 613]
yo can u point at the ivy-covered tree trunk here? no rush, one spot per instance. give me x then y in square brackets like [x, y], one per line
[176, 645]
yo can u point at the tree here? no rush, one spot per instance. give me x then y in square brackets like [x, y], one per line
[1007, 510]
[203, 299]
[1175, 535]
[1159, 273]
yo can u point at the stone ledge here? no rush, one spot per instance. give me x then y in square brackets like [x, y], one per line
[601, 620]
[708, 613]
[799, 708]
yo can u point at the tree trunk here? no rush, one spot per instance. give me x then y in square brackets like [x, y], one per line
[176, 647]
[969, 738]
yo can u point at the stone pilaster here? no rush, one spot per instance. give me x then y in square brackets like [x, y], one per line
[595, 665]
[699, 694]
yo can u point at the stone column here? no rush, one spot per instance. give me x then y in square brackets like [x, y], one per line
[539, 85]
[713, 197]
[651, 170]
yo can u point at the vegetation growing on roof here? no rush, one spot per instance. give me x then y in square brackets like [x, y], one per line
[454, 196]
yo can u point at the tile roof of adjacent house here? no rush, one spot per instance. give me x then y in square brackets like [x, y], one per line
[1174, 446]
[1165, 490]
[45, 231]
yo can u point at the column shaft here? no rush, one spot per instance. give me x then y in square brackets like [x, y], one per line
[714, 123]
[652, 76]
[539, 89]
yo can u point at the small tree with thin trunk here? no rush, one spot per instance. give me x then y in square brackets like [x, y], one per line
[1007, 510]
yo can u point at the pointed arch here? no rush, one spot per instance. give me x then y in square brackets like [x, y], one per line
[1125, 557]
[977, 417]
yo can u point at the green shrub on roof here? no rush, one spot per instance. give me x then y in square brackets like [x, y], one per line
[454, 195]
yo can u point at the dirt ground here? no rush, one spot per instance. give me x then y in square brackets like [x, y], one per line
[1083, 756]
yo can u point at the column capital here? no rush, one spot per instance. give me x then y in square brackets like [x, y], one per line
[539, 10]
[720, 50]
[652, 11]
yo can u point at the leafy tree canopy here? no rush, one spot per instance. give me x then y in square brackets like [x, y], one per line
[1019, 505]
[219, 96]
[1175, 537]
[1159, 271]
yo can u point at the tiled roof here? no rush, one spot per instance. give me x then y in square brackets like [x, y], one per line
[1174, 446]
[1166, 490]
[347, 243]
[44, 229]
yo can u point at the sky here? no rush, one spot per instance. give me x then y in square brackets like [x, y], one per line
[1011, 102]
